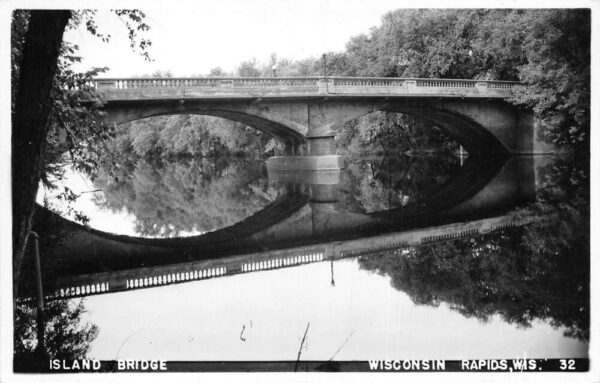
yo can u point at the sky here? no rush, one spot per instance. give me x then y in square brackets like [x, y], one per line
[191, 40]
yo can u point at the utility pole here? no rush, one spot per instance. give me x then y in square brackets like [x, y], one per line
[40, 349]
[332, 280]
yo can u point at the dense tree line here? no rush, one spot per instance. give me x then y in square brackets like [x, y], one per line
[189, 135]
[392, 134]
[546, 49]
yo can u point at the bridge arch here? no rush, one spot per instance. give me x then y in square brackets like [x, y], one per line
[460, 127]
[292, 139]
[479, 126]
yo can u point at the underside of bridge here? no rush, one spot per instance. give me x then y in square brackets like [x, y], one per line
[307, 126]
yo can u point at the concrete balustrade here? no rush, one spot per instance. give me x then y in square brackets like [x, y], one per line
[138, 88]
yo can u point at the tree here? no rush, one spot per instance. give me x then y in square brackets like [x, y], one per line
[248, 69]
[31, 117]
[557, 74]
[66, 335]
[36, 46]
[548, 50]
[216, 72]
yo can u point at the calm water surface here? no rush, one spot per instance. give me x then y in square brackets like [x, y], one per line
[513, 292]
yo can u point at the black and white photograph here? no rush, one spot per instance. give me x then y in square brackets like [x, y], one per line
[343, 189]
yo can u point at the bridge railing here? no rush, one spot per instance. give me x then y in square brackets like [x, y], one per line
[198, 87]
[220, 82]
[367, 81]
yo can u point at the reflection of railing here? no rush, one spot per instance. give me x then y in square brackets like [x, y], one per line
[282, 262]
[316, 85]
[166, 279]
[161, 276]
[370, 250]
[146, 277]
[445, 237]
[74, 291]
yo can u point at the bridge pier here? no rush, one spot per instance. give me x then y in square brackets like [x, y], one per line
[321, 156]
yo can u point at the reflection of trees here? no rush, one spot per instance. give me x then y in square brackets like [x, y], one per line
[66, 335]
[396, 180]
[540, 271]
[169, 197]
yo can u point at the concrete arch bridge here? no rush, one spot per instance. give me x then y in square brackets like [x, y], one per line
[306, 113]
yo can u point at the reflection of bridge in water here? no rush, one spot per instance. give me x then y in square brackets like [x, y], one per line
[306, 225]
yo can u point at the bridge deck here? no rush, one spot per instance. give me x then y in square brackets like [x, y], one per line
[132, 89]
